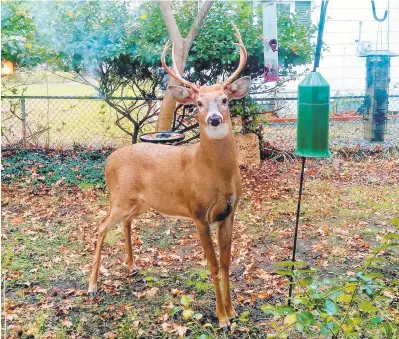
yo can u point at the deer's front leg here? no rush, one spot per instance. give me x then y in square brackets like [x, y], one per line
[206, 242]
[225, 230]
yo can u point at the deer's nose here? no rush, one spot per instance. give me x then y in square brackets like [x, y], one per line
[214, 120]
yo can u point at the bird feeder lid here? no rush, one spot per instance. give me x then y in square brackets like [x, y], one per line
[162, 137]
[379, 53]
[314, 89]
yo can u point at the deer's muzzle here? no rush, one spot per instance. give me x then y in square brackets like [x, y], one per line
[214, 120]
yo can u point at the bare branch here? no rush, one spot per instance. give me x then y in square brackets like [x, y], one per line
[170, 22]
[198, 22]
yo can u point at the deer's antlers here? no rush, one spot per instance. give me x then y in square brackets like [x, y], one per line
[174, 72]
[243, 58]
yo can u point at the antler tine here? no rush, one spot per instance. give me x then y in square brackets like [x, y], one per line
[174, 72]
[243, 58]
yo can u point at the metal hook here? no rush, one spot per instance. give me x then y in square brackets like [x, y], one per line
[375, 14]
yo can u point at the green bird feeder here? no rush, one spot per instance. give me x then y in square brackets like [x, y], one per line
[313, 116]
[312, 125]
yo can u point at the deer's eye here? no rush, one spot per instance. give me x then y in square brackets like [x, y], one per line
[199, 103]
[224, 101]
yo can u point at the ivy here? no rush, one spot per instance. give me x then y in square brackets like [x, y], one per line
[84, 169]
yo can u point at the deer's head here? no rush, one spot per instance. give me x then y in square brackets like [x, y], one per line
[212, 101]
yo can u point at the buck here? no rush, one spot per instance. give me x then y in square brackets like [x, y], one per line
[200, 182]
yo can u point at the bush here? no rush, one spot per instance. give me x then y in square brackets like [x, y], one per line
[359, 307]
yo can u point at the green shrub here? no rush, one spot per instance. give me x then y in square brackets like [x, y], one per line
[360, 307]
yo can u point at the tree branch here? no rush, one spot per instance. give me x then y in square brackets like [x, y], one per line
[170, 22]
[198, 22]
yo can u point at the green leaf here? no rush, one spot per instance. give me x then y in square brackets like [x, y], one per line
[334, 292]
[277, 310]
[203, 336]
[328, 329]
[384, 247]
[305, 318]
[350, 287]
[367, 306]
[395, 222]
[244, 316]
[345, 298]
[391, 236]
[330, 307]
[325, 329]
[185, 300]
[174, 310]
[290, 319]
[187, 314]
[388, 329]
[374, 275]
[290, 263]
[375, 260]
[284, 272]
[305, 271]
[197, 316]
[377, 320]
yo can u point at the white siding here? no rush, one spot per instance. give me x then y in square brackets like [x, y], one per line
[341, 65]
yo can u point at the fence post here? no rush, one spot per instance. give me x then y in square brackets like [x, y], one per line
[23, 119]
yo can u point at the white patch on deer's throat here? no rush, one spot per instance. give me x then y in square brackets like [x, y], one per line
[218, 132]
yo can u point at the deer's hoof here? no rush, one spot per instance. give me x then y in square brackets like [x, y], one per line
[92, 294]
[133, 272]
[224, 324]
[225, 329]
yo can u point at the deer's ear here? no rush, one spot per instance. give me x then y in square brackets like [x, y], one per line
[183, 95]
[239, 88]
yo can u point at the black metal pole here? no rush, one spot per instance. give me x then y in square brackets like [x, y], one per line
[319, 44]
[298, 209]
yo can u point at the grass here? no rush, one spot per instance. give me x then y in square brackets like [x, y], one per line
[61, 89]
[63, 123]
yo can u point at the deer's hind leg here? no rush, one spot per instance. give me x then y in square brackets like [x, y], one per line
[127, 228]
[116, 214]
[113, 217]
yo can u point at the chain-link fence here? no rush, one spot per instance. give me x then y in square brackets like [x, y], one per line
[93, 122]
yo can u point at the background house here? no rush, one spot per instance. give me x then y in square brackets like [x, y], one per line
[349, 30]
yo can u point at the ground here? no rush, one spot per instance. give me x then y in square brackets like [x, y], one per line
[49, 226]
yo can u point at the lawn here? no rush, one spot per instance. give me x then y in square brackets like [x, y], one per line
[64, 123]
[52, 203]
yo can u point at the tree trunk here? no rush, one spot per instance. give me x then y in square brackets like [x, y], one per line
[168, 105]
[182, 47]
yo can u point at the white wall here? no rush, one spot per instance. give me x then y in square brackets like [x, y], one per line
[341, 65]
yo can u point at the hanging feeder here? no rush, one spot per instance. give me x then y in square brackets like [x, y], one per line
[313, 116]
[7, 67]
[312, 125]
[378, 64]
[270, 44]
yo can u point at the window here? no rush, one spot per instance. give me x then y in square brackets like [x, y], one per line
[302, 8]
[282, 8]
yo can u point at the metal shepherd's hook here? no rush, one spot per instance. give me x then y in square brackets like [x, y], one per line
[375, 14]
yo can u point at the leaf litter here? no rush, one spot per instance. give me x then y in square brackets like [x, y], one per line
[49, 234]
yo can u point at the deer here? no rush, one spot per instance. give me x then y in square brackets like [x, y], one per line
[200, 182]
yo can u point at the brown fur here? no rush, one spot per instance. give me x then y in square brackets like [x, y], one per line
[201, 182]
